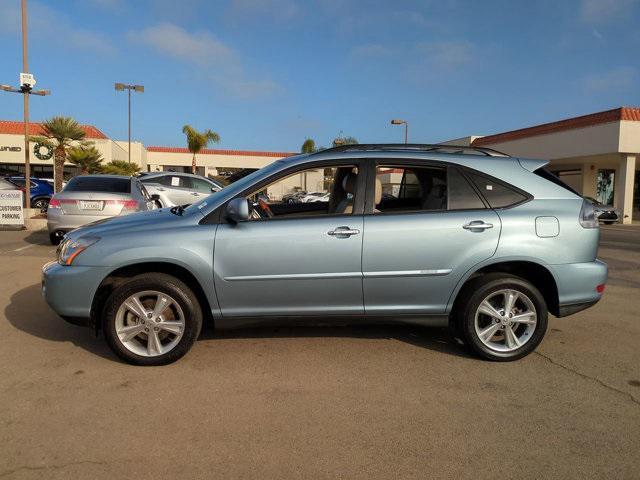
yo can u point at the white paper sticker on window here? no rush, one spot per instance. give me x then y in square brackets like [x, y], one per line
[489, 187]
[175, 181]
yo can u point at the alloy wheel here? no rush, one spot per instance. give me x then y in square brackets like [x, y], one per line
[505, 320]
[150, 323]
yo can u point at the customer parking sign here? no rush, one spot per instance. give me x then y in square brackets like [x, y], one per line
[11, 211]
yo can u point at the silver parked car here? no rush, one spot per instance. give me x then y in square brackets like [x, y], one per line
[174, 188]
[88, 198]
[606, 214]
[423, 234]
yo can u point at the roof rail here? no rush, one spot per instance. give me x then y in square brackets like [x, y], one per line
[421, 147]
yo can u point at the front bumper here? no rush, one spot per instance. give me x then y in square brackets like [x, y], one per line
[577, 283]
[69, 290]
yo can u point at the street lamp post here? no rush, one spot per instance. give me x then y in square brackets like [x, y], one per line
[26, 88]
[137, 88]
[406, 127]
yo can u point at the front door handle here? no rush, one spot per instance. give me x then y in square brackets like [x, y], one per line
[477, 225]
[195, 194]
[343, 232]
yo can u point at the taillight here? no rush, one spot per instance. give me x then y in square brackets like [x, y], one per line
[588, 217]
[126, 204]
[54, 203]
[600, 288]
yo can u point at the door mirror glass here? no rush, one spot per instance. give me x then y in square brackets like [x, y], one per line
[237, 210]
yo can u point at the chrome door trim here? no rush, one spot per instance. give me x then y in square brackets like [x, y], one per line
[294, 276]
[408, 273]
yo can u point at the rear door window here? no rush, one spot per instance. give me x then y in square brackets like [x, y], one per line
[98, 184]
[423, 188]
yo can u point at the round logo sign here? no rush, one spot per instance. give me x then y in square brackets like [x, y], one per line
[42, 152]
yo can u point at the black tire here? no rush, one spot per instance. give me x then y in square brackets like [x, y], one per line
[163, 283]
[41, 204]
[608, 222]
[475, 292]
[54, 238]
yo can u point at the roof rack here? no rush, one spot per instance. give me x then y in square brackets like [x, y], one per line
[421, 147]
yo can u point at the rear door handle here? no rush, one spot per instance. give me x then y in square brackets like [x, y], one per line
[342, 232]
[477, 225]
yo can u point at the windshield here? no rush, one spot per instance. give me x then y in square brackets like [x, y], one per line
[236, 187]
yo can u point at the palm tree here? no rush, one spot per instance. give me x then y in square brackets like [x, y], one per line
[309, 146]
[196, 141]
[120, 167]
[60, 133]
[88, 158]
[344, 141]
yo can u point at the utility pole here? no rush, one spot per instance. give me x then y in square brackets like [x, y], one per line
[27, 83]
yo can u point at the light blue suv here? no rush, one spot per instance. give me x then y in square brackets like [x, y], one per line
[425, 234]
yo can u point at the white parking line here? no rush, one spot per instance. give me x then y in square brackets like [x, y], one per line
[23, 248]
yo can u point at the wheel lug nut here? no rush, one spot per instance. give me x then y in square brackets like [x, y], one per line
[156, 329]
[146, 329]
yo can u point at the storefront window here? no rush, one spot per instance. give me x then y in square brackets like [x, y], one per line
[605, 186]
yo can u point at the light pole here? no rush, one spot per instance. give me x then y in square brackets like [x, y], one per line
[137, 88]
[26, 88]
[406, 127]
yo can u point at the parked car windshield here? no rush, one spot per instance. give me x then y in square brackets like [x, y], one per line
[99, 184]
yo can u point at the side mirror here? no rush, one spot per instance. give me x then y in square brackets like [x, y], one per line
[215, 189]
[237, 210]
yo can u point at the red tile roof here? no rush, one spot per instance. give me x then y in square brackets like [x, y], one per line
[615, 115]
[209, 151]
[17, 128]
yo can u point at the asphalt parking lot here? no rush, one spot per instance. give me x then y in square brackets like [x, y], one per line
[350, 402]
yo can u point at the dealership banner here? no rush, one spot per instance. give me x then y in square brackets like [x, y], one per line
[11, 211]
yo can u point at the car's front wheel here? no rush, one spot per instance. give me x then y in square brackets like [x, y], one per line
[152, 319]
[501, 317]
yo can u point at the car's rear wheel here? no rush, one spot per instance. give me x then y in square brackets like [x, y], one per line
[501, 317]
[41, 203]
[152, 319]
[56, 237]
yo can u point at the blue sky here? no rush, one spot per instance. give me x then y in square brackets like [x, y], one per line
[266, 74]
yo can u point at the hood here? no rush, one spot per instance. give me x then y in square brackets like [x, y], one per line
[148, 221]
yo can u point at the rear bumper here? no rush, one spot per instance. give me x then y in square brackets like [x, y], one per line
[577, 285]
[57, 220]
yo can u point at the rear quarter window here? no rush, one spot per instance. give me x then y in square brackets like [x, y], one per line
[498, 194]
[99, 184]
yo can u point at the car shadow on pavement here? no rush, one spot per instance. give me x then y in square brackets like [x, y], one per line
[28, 312]
[431, 338]
[38, 237]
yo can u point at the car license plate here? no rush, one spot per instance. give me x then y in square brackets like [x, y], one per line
[89, 205]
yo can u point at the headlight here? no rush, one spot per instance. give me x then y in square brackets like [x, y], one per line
[70, 249]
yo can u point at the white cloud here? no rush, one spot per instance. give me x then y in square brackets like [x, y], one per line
[46, 23]
[370, 50]
[214, 59]
[602, 11]
[620, 78]
[201, 47]
[446, 54]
